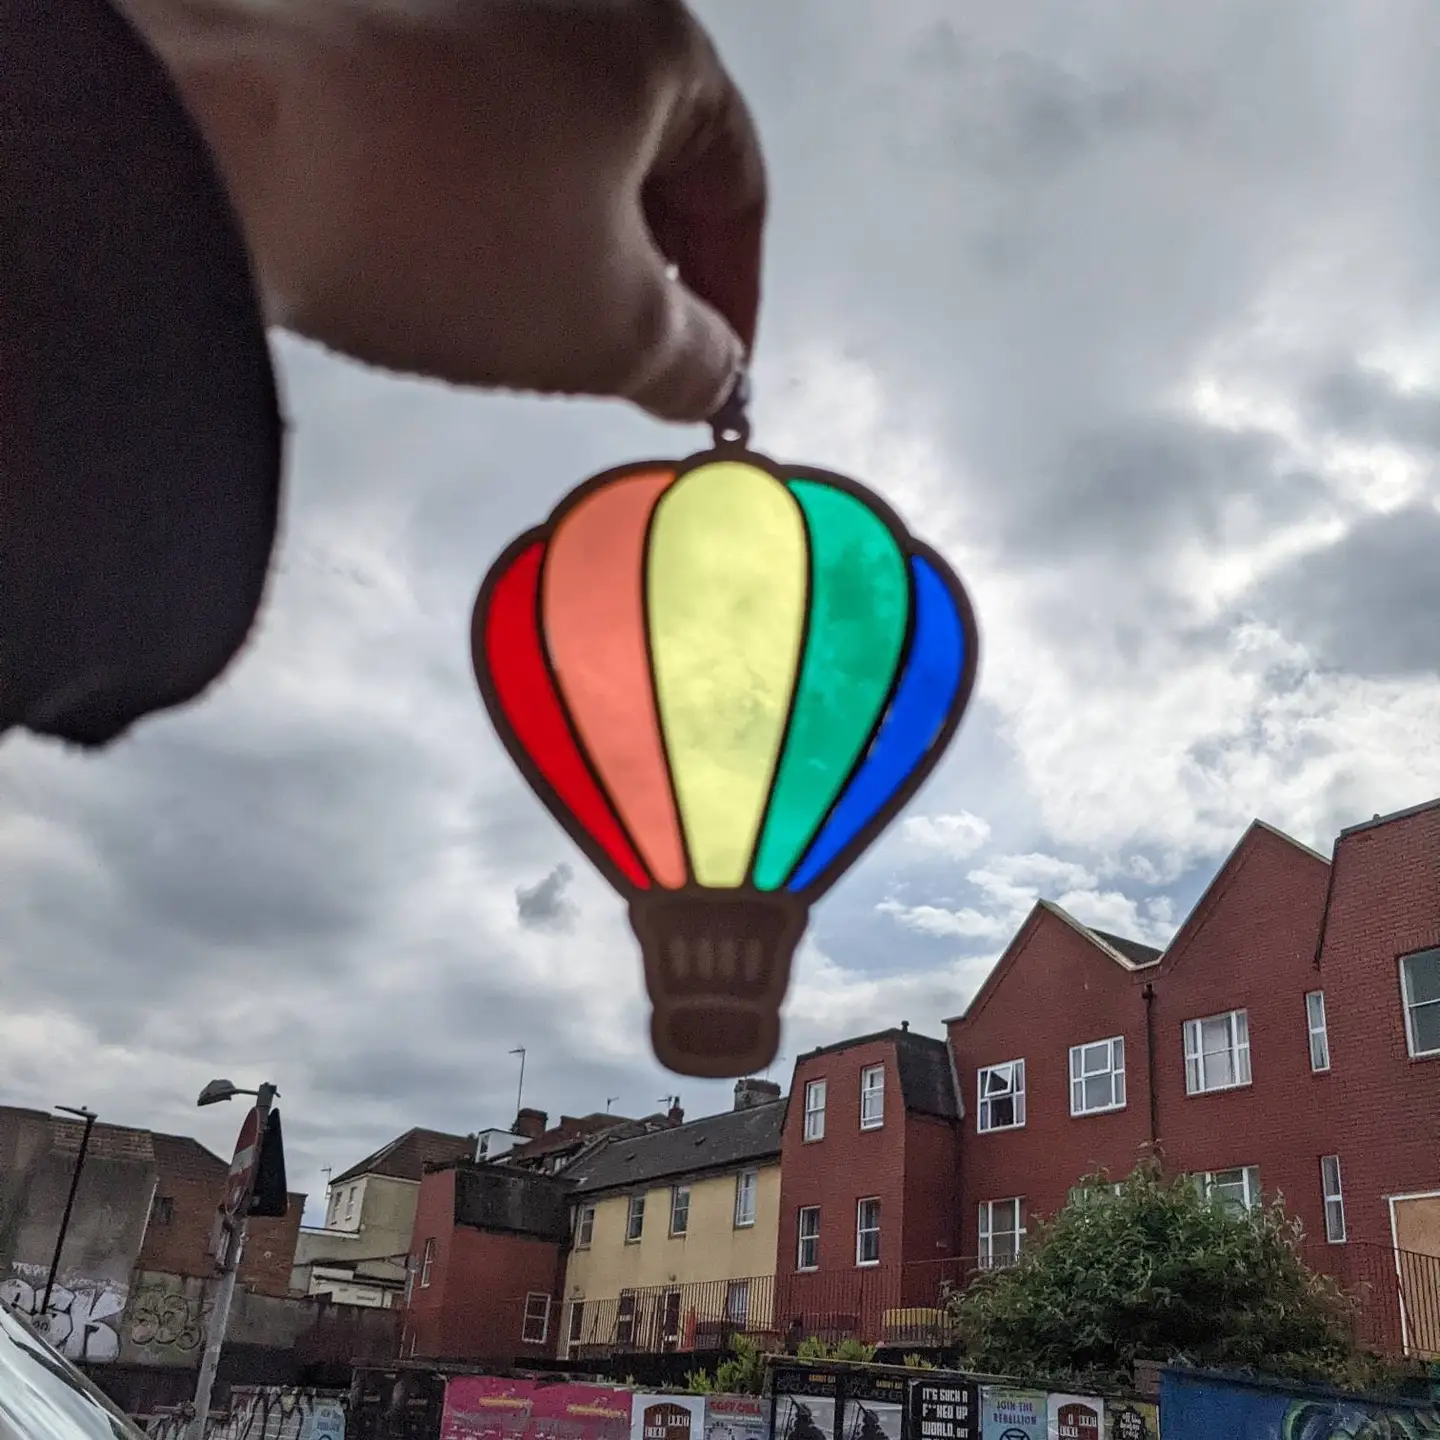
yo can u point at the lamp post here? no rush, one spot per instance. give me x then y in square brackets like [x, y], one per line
[235, 1226]
[88, 1116]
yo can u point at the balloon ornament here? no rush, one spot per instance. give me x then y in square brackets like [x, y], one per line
[724, 677]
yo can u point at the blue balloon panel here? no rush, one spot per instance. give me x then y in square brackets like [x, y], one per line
[922, 701]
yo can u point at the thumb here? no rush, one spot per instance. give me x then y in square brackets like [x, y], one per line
[686, 356]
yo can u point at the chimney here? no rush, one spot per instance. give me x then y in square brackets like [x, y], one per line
[675, 1114]
[750, 1093]
[531, 1123]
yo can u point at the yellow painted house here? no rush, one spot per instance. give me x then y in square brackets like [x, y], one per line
[675, 1232]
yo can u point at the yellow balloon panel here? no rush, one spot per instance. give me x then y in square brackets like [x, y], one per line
[726, 591]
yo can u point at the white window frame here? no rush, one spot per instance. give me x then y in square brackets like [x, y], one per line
[1333, 1193]
[989, 1260]
[680, 1211]
[584, 1225]
[1237, 1024]
[527, 1323]
[872, 1097]
[1319, 1031]
[427, 1261]
[350, 1203]
[1114, 1048]
[802, 1238]
[737, 1303]
[1250, 1197]
[864, 1230]
[747, 1188]
[1410, 1006]
[814, 1110]
[1016, 1094]
[635, 1219]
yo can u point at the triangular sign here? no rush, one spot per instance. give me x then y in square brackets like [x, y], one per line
[271, 1197]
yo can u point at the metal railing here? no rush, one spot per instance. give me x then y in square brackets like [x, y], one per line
[1396, 1294]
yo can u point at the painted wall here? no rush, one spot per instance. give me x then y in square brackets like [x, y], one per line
[487, 1407]
[1194, 1407]
[263, 1412]
[382, 1225]
[712, 1249]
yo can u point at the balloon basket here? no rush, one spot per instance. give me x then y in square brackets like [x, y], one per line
[717, 966]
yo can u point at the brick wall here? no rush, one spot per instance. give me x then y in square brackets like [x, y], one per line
[1385, 903]
[1053, 988]
[1250, 944]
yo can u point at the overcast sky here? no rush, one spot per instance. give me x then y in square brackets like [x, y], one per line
[1130, 306]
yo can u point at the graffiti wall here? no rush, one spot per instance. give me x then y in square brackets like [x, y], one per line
[102, 1241]
[1197, 1407]
[487, 1407]
[264, 1412]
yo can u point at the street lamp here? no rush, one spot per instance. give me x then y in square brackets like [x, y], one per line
[89, 1117]
[235, 1226]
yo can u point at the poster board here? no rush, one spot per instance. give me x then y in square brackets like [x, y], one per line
[1076, 1417]
[737, 1417]
[1132, 1420]
[803, 1403]
[946, 1409]
[1009, 1413]
[490, 1407]
[667, 1417]
[871, 1406]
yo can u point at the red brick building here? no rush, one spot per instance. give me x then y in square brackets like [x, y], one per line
[868, 1185]
[1279, 1045]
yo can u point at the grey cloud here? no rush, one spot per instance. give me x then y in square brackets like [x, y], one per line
[1367, 604]
[544, 905]
[1366, 404]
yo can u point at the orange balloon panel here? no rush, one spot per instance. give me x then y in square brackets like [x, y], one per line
[594, 623]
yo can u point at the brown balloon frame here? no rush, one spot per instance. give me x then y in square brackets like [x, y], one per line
[717, 962]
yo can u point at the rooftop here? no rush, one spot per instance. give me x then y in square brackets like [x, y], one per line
[406, 1156]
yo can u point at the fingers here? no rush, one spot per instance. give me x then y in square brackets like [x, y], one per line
[705, 200]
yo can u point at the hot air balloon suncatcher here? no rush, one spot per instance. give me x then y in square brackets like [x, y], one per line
[724, 677]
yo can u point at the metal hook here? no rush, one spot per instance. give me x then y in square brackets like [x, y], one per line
[730, 424]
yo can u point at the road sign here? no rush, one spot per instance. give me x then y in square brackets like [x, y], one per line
[242, 1167]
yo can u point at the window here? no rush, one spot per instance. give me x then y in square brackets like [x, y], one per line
[745, 1199]
[334, 1209]
[815, 1110]
[1237, 1190]
[635, 1219]
[584, 1226]
[1319, 1035]
[808, 1251]
[872, 1097]
[410, 1267]
[1001, 1230]
[1097, 1077]
[625, 1318]
[427, 1259]
[1420, 982]
[737, 1303]
[162, 1210]
[1092, 1194]
[536, 1325]
[867, 1232]
[577, 1322]
[1217, 1053]
[350, 1202]
[1334, 1199]
[679, 1209]
[1002, 1096]
[670, 1320]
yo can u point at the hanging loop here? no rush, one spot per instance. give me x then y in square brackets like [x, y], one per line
[730, 424]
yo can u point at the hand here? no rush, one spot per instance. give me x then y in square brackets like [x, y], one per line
[487, 192]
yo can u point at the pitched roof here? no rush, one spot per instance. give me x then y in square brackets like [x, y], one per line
[1132, 950]
[406, 1157]
[716, 1142]
[927, 1082]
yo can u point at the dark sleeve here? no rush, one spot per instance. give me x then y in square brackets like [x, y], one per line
[140, 435]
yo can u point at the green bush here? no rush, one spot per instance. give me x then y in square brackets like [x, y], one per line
[1154, 1270]
[812, 1348]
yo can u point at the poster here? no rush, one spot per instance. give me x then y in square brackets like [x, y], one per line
[737, 1417]
[1132, 1420]
[667, 1417]
[804, 1402]
[944, 1410]
[872, 1407]
[487, 1407]
[1007, 1414]
[1076, 1417]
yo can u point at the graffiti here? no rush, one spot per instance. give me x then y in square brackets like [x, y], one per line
[1338, 1420]
[82, 1323]
[166, 1319]
[262, 1412]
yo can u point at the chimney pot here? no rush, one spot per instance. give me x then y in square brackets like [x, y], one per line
[676, 1114]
